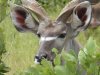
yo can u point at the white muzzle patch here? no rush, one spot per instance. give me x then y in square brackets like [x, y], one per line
[36, 61]
[47, 38]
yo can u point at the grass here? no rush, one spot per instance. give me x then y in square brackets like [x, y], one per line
[20, 47]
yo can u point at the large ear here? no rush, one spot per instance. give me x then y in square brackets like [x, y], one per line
[22, 19]
[67, 11]
[81, 16]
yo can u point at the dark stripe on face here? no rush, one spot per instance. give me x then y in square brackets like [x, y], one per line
[62, 35]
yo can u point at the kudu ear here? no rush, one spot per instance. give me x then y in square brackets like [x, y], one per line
[81, 16]
[22, 19]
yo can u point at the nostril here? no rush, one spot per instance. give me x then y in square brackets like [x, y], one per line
[37, 57]
[37, 60]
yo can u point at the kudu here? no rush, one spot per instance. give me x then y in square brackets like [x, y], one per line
[51, 32]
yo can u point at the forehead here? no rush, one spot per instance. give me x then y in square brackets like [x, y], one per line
[48, 26]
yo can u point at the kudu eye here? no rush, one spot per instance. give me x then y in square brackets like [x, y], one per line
[62, 35]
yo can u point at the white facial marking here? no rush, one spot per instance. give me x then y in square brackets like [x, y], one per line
[47, 38]
[36, 61]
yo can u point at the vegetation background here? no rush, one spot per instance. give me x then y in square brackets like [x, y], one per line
[21, 47]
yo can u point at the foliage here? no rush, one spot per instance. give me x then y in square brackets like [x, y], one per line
[53, 4]
[19, 54]
[88, 57]
[94, 32]
[3, 14]
[3, 9]
[3, 68]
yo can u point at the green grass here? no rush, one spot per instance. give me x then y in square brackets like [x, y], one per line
[21, 47]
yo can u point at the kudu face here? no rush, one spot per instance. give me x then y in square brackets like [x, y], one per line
[48, 37]
[49, 31]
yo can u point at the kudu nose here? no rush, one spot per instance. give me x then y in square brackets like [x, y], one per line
[38, 59]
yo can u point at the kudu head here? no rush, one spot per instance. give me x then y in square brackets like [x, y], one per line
[50, 31]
